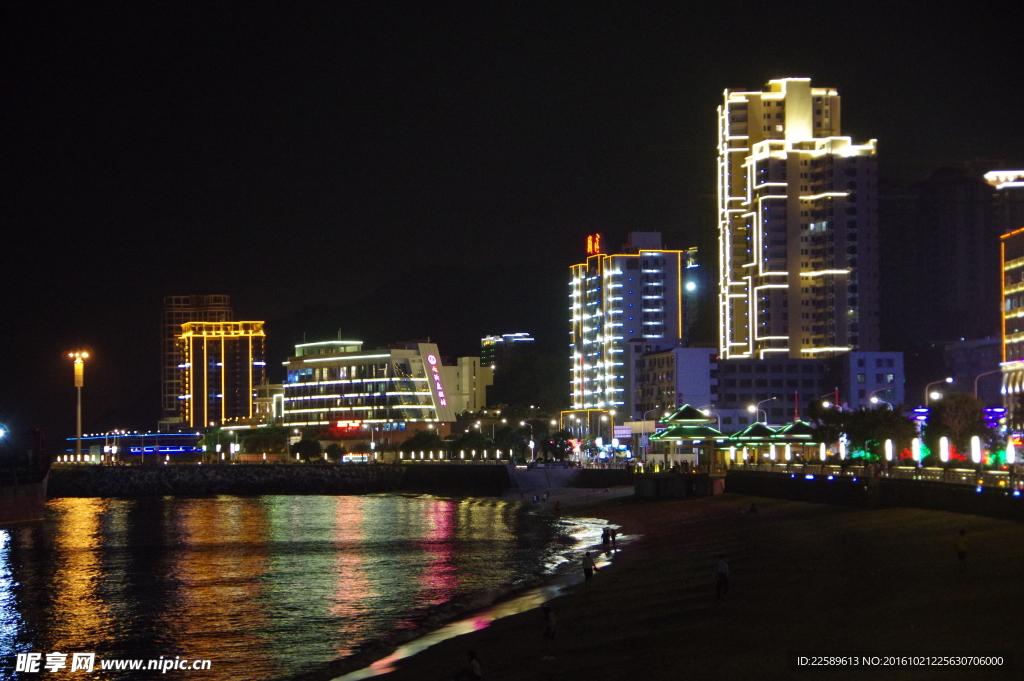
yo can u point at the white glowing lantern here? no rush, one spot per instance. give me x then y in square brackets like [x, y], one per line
[944, 449]
[888, 450]
[789, 452]
[821, 450]
[976, 449]
[915, 448]
[1011, 453]
[771, 452]
[842, 450]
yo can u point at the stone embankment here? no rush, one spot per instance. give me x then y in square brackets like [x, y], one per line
[129, 481]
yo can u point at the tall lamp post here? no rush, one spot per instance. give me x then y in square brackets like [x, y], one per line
[926, 388]
[79, 356]
[647, 445]
[530, 426]
[987, 373]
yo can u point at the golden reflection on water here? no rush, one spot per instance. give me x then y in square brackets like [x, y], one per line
[82, 615]
[221, 588]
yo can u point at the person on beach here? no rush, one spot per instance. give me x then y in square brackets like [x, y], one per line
[472, 672]
[549, 623]
[544, 498]
[961, 550]
[721, 577]
[614, 533]
[558, 506]
[606, 538]
[588, 567]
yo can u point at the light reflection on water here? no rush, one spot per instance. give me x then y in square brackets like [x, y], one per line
[265, 587]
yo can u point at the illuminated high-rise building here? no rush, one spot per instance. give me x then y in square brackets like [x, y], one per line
[1012, 305]
[495, 350]
[797, 222]
[222, 363]
[177, 311]
[622, 306]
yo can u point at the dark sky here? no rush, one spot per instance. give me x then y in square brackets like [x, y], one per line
[302, 154]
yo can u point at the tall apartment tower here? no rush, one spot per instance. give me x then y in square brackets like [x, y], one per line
[797, 225]
[620, 305]
[179, 310]
[222, 365]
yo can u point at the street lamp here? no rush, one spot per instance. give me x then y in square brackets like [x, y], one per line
[753, 410]
[707, 412]
[932, 395]
[875, 400]
[79, 356]
[495, 424]
[530, 426]
[987, 373]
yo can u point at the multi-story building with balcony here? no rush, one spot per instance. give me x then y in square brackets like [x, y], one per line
[797, 220]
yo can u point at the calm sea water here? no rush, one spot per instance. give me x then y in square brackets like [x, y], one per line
[264, 587]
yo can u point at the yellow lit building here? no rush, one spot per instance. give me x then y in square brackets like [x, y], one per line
[797, 221]
[222, 364]
[1012, 250]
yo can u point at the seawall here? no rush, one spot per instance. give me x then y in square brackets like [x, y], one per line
[256, 479]
[242, 479]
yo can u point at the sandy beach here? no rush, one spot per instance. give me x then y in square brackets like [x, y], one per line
[804, 577]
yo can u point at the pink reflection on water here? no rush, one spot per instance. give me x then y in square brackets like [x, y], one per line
[352, 590]
[438, 580]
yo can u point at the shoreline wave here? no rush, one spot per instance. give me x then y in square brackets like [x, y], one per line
[554, 579]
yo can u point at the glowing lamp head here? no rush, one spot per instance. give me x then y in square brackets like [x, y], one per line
[935, 395]
[691, 286]
[751, 409]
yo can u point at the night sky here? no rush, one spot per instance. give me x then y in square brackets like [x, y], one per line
[440, 157]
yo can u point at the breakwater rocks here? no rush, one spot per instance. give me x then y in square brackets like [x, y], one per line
[186, 481]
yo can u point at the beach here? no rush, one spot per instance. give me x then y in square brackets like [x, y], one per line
[804, 578]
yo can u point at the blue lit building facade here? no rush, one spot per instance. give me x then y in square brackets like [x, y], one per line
[640, 297]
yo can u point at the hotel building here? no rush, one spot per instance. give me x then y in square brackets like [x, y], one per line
[623, 305]
[222, 363]
[797, 221]
[177, 311]
[391, 391]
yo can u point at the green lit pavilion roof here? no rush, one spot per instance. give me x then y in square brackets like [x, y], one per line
[686, 415]
[796, 430]
[688, 432]
[755, 431]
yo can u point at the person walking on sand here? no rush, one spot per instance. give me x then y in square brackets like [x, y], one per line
[614, 533]
[471, 672]
[549, 630]
[721, 577]
[961, 550]
[588, 567]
